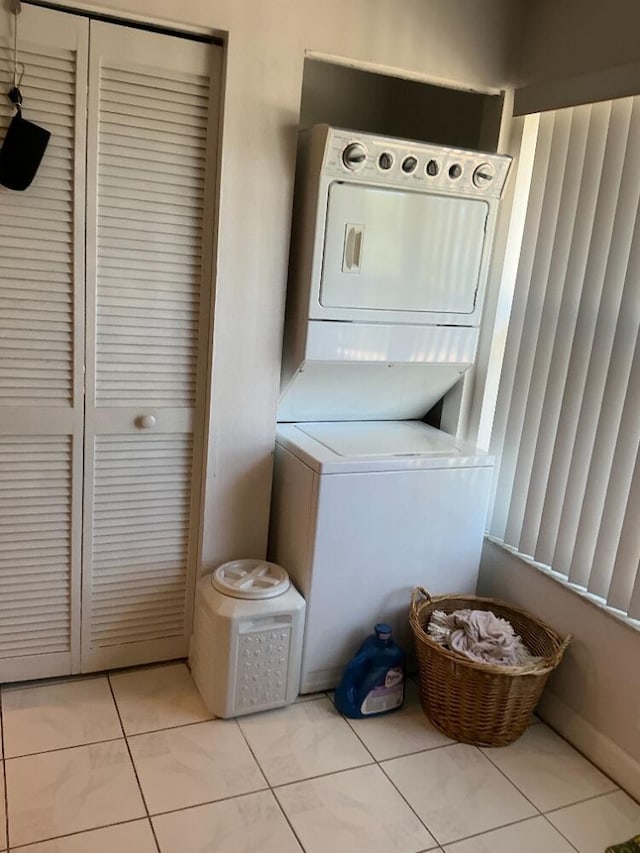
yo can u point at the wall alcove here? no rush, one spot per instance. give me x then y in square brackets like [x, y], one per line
[364, 100]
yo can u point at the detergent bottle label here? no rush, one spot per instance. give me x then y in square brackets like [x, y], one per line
[387, 694]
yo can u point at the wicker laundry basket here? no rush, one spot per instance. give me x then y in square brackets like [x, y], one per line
[480, 703]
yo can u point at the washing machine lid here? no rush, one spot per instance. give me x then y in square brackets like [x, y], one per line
[377, 446]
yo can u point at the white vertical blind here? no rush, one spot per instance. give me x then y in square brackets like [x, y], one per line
[567, 421]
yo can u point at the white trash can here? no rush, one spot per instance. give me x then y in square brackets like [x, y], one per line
[246, 645]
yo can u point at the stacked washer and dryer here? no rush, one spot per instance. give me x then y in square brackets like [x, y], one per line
[391, 246]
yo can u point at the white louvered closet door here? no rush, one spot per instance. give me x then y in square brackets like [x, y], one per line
[148, 228]
[41, 351]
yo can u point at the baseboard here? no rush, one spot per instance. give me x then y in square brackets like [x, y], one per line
[598, 748]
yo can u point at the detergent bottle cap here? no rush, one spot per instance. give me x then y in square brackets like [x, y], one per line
[383, 631]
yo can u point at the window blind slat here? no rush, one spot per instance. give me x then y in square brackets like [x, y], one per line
[608, 368]
[526, 390]
[624, 588]
[588, 371]
[550, 364]
[596, 210]
[634, 607]
[509, 406]
[624, 458]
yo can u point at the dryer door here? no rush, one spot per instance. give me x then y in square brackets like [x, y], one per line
[399, 251]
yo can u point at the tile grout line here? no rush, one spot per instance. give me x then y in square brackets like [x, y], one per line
[557, 808]
[106, 674]
[511, 782]
[379, 763]
[320, 776]
[381, 768]
[374, 762]
[270, 788]
[409, 806]
[444, 746]
[172, 728]
[559, 831]
[431, 749]
[62, 748]
[74, 833]
[586, 757]
[273, 788]
[133, 765]
[346, 719]
[585, 800]
[267, 787]
[540, 812]
[495, 829]
[210, 802]
[69, 680]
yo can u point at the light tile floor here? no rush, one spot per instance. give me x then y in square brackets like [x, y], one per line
[131, 762]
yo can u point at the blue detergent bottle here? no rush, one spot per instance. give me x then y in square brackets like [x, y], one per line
[373, 680]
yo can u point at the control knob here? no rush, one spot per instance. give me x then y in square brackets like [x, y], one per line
[432, 168]
[409, 164]
[354, 156]
[385, 160]
[483, 175]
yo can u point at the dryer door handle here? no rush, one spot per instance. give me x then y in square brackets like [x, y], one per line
[354, 236]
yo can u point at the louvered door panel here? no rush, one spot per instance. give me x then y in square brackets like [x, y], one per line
[36, 240]
[41, 352]
[149, 152]
[141, 523]
[147, 331]
[35, 545]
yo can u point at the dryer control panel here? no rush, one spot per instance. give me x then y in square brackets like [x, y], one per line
[414, 165]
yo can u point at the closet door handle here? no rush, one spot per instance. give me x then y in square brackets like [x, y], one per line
[146, 421]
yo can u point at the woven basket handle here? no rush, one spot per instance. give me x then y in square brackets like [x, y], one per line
[563, 647]
[419, 595]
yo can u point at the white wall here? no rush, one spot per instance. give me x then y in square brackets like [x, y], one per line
[593, 698]
[576, 51]
[469, 42]
[267, 42]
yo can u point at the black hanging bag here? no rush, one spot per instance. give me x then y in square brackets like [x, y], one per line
[25, 142]
[22, 152]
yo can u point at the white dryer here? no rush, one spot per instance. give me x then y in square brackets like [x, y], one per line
[363, 512]
[390, 253]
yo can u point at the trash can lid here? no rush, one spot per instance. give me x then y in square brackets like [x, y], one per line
[250, 579]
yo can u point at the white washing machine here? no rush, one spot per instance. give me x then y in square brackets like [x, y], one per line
[362, 513]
